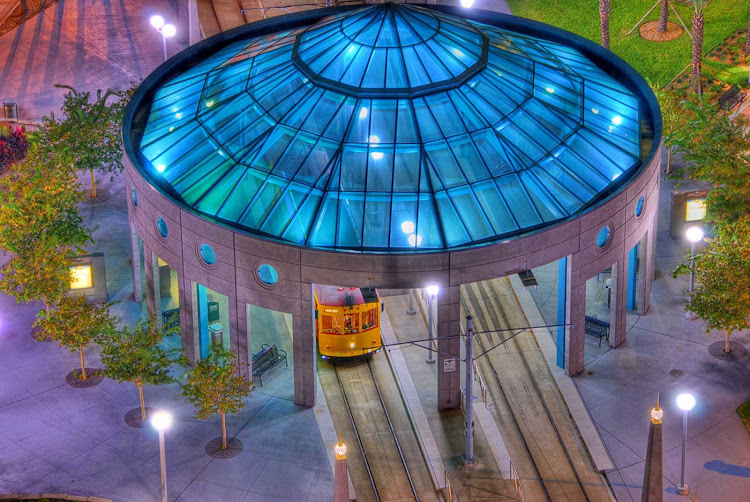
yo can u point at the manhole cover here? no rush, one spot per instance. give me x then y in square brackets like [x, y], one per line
[738, 351]
[234, 448]
[589, 372]
[675, 373]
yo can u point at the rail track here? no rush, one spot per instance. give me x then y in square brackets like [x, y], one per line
[550, 456]
[378, 441]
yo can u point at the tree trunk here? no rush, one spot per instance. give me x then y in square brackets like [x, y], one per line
[93, 184]
[697, 57]
[223, 431]
[46, 307]
[83, 366]
[727, 348]
[605, 7]
[746, 49]
[143, 405]
[663, 15]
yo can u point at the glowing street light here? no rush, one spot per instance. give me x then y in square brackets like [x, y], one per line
[694, 235]
[432, 291]
[161, 421]
[467, 3]
[685, 402]
[166, 30]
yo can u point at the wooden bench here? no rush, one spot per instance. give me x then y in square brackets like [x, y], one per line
[598, 328]
[170, 318]
[267, 358]
[733, 97]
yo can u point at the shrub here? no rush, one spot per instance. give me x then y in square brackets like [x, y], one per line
[13, 145]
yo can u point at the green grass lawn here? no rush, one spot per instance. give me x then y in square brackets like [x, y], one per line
[658, 62]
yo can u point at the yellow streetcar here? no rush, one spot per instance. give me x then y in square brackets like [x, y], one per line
[347, 321]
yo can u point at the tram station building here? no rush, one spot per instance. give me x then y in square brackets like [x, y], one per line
[386, 145]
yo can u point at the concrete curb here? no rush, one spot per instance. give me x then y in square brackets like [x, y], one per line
[59, 496]
[568, 389]
[422, 430]
[494, 439]
[328, 433]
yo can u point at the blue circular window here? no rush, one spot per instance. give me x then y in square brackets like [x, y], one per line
[208, 254]
[162, 226]
[268, 274]
[603, 236]
[134, 196]
[639, 207]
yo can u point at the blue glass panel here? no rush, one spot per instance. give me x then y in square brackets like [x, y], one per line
[263, 201]
[351, 212]
[377, 218]
[494, 207]
[468, 158]
[285, 208]
[405, 129]
[211, 200]
[406, 169]
[403, 217]
[317, 161]
[444, 164]
[545, 204]
[518, 201]
[602, 238]
[244, 191]
[470, 212]
[299, 225]
[453, 228]
[380, 168]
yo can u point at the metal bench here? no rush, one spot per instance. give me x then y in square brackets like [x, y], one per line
[733, 97]
[598, 328]
[267, 358]
[170, 318]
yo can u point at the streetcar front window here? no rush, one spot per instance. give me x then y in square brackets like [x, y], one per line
[370, 318]
[331, 324]
[351, 322]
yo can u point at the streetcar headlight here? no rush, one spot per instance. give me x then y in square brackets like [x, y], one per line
[351, 345]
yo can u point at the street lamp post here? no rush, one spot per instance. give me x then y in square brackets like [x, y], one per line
[432, 292]
[161, 422]
[166, 31]
[694, 235]
[469, 449]
[685, 402]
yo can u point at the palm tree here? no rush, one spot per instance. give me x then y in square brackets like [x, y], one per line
[699, 23]
[605, 6]
[663, 15]
[746, 49]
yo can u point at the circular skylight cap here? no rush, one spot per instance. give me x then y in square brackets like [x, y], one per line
[391, 50]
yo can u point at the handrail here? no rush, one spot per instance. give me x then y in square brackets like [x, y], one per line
[517, 482]
[449, 492]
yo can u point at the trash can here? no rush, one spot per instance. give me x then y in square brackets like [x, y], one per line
[10, 109]
[217, 334]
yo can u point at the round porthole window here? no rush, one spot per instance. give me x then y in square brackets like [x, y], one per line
[134, 196]
[207, 254]
[639, 207]
[603, 237]
[161, 225]
[268, 274]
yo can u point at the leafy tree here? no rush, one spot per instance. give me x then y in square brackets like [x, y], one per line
[699, 23]
[88, 135]
[137, 356]
[722, 272]
[605, 7]
[663, 16]
[215, 386]
[676, 114]
[75, 323]
[41, 228]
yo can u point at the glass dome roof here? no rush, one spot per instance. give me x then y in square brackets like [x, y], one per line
[392, 128]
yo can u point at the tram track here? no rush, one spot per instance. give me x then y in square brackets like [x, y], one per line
[378, 446]
[533, 408]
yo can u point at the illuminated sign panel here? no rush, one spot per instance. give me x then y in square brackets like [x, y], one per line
[81, 276]
[695, 210]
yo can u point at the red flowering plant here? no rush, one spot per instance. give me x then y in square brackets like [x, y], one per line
[13, 145]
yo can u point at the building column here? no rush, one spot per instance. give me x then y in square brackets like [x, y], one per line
[304, 348]
[188, 318]
[135, 264]
[618, 303]
[449, 349]
[150, 265]
[243, 340]
[647, 270]
[575, 317]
